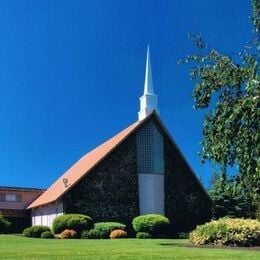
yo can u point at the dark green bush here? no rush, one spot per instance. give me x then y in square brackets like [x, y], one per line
[47, 234]
[35, 231]
[75, 222]
[183, 235]
[143, 235]
[102, 230]
[154, 224]
[90, 234]
[105, 228]
[4, 225]
[228, 231]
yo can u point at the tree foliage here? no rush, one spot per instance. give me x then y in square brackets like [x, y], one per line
[4, 225]
[229, 87]
[229, 198]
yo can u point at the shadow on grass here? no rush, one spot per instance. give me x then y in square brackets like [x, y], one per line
[189, 245]
[174, 244]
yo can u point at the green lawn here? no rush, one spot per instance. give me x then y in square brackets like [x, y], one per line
[17, 247]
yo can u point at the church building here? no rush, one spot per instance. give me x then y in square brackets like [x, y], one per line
[138, 171]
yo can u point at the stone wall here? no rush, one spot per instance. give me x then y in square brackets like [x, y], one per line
[110, 191]
[186, 202]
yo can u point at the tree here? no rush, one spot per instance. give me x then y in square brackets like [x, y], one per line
[229, 198]
[4, 225]
[229, 88]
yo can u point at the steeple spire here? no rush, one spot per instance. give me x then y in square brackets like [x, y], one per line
[148, 83]
[148, 101]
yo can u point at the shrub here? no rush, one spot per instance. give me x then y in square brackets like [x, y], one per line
[143, 235]
[47, 234]
[4, 225]
[154, 224]
[104, 229]
[76, 222]
[183, 235]
[227, 231]
[118, 233]
[90, 234]
[35, 231]
[68, 234]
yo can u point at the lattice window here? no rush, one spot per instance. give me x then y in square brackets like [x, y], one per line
[158, 154]
[150, 157]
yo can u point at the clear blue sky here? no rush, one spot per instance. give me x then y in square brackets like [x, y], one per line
[71, 73]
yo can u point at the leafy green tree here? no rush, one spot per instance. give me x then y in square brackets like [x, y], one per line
[229, 88]
[4, 225]
[229, 198]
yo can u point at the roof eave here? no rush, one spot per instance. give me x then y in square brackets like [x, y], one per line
[95, 165]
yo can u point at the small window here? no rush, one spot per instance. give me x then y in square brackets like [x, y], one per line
[10, 197]
[2, 197]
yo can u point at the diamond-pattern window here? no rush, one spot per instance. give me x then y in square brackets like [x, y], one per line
[150, 157]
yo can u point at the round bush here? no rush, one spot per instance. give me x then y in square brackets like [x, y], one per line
[118, 233]
[35, 231]
[90, 234]
[76, 222]
[68, 234]
[154, 224]
[227, 231]
[143, 235]
[103, 229]
[47, 234]
[4, 225]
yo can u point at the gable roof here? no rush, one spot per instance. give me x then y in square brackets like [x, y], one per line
[84, 165]
[90, 160]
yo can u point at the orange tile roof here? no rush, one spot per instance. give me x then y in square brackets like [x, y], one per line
[85, 164]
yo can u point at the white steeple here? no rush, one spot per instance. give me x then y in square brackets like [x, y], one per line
[148, 101]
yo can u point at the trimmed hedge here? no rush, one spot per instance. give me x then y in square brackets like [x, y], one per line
[90, 234]
[143, 235]
[227, 231]
[105, 228]
[118, 233]
[35, 231]
[4, 225]
[47, 234]
[102, 230]
[154, 224]
[75, 222]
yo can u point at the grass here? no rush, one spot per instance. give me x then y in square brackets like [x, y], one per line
[18, 247]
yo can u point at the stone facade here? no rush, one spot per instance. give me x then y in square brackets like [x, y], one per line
[110, 191]
[186, 202]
